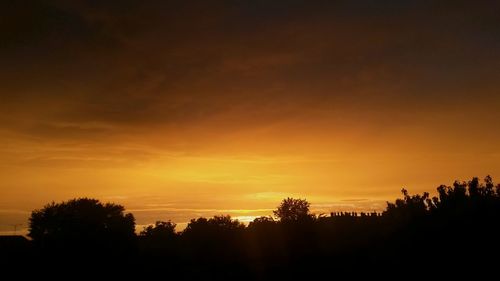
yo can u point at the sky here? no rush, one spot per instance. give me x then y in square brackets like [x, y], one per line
[181, 109]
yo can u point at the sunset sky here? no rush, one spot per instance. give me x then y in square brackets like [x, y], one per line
[181, 109]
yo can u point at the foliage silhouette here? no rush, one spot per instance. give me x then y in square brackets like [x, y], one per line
[82, 225]
[458, 226]
[292, 209]
[160, 230]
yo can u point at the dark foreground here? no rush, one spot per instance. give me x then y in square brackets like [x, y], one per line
[454, 234]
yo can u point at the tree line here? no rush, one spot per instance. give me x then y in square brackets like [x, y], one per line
[459, 226]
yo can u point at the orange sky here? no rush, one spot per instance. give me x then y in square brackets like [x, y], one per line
[180, 110]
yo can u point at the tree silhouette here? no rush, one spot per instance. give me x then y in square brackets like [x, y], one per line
[82, 225]
[215, 224]
[461, 221]
[159, 240]
[161, 229]
[292, 209]
[262, 222]
[411, 206]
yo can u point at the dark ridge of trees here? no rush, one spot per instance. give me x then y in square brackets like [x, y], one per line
[455, 231]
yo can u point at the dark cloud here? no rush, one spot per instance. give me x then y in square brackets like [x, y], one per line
[174, 62]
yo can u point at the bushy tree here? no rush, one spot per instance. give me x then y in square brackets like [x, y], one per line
[161, 229]
[84, 224]
[217, 223]
[214, 239]
[159, 239]
[292, 209]
[261, 222]
[410, 206]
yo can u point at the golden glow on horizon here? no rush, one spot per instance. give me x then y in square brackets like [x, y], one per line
[179, 116]
[179, 186]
